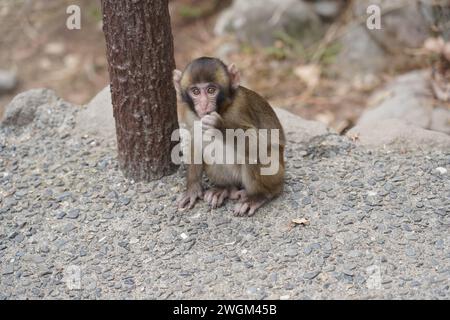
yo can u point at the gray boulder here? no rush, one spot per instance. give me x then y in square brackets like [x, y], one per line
[8, 81]
[259, 22]
[360, 55]
[328, 9]
[407, 98]
[97, 119]
[298, 129]
[395, 133]
[440, 120]
[22, 110]
[366, 53]
[402, 24]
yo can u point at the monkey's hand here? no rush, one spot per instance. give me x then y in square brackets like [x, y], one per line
[193, 193]
[212, 121]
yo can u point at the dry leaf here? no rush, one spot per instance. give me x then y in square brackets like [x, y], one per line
[302, 221]
[326, 117]
[441, 87]
[446, 51]
[434, 45]
[342, 125]
[309, 74]
[366, 82]
[354, 137]
[55, 48]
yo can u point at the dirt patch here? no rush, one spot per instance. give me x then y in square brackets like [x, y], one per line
[37, 45]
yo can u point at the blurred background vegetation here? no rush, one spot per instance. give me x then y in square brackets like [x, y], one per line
[314, 58]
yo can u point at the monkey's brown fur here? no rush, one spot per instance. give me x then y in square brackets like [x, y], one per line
[240, 108]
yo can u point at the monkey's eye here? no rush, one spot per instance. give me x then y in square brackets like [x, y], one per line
[195, 91]
[211, 90]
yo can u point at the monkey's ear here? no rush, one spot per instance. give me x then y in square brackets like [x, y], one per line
[235, 76]
[177, 80]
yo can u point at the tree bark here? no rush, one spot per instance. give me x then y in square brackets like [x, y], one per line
[139, 47]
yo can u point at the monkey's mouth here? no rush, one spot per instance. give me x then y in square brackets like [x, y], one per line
[202, 114]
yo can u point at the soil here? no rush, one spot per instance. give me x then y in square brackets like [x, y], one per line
[351, 223]
[37, 45]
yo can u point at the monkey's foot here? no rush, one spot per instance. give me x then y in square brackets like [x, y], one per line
[216, 196]
[248, 207]
[236, 194]
[190, 197]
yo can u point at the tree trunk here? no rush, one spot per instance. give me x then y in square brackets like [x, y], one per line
[139, 48]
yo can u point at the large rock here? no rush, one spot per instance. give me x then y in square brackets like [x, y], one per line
[407, 98]
[97, 119]
[440, 120]
[8, 81]
[328, 9]
[22, 110]
[402, 24]
[360, 57]
[366, 53]
[298, 129]
[259, 22]
[396, 133]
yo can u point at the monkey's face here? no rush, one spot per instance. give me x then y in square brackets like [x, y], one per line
[204, 97]
[206, 85]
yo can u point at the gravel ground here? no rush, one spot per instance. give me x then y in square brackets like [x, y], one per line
[71, 226]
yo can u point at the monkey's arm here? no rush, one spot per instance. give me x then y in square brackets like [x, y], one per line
[194, 188]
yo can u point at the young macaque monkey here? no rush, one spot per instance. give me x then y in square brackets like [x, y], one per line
[209, 91]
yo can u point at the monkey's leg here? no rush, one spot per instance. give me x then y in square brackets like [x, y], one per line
[249, 206]
[236, 194]
[259, 189]
[194, 188]
[216, 196]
